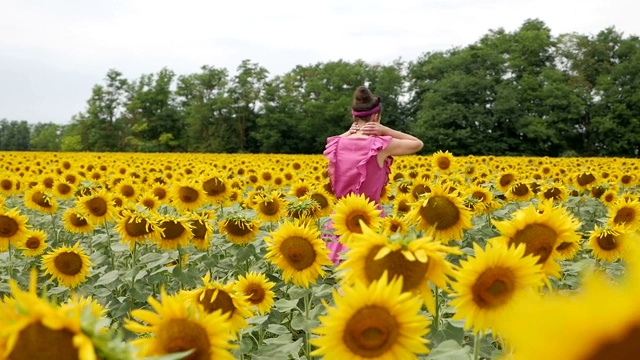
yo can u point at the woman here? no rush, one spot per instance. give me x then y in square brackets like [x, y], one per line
[360, 159]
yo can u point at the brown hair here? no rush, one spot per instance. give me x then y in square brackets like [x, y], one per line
[363, 100]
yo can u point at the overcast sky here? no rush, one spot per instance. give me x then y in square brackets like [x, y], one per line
[53, 52]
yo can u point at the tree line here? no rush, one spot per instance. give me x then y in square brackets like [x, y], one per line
[524, 92]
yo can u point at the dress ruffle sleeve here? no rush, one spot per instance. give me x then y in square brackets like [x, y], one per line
[330, 154]
[377, 143]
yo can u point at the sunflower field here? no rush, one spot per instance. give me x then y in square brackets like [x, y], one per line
[212, 256]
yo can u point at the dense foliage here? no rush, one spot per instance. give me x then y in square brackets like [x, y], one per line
[524, 92]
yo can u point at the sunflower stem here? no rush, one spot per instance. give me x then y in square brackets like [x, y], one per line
[436, 316]
[56, 236]
[109, 249]
[10, 268]
[307, 335]
[476, 345]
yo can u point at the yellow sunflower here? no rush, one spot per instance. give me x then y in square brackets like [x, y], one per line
[609, 197]
[519, 191]
[300, 188]
[149, 201]
[609, 243]
[583, 180]
[323, 198]
[297, 250]
[479, 199]
[442, 162]
[13, 228]
[127, 189]
[487, 284]
[239, 228]
[134, 227]
[37, 198]
[418, 188]
[202, 231]
[187, 195]
[216, 297]
[35, 243]
[33, 328]
[542, 231]
[441, 212]
[97, 207]
[607, 332]
[402, 204]
[174, 231]
[395, 224]
[625, 212]
[418, 262]
[375, 321]
[505, 180]
[349, 211]
[304, 210]
[215, 187]
[63, 190]
[68, 265]
[555, 192]
[177, 326]
[75, 222]
[257, 290]
[160, 191]
[269, 206]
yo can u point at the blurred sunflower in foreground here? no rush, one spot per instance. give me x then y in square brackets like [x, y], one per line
[377, 321]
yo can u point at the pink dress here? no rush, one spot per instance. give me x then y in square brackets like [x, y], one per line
[353, 168]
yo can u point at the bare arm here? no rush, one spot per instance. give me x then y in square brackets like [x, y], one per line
[401, 144]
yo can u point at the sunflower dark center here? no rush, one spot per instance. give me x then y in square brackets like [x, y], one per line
[440, 212]
[127, 191]
[443, 163]
[48, 182]
[77, 220]
[607, 242]
[353, 222]
[63, 188]
[420, 189]
[403, 206]
[301, 191]
[609, 198]
[178, 335]
[624, 215]
[299, 252]
[199, 229]
[68, 263]
[494, 287]
[187, 194]
[223, 301]
[32, 243]
[506, 179]
[256, 293]
[171, 229]
[597, 191]
[553, 193]
[97, 206]
[237, 227]
[8, 226]
[622, 347]
[148, 203]
[371, 332]
[214, 187]
[519, 190]
[269, 208]
[41, 199]
[626, 179]
[321, 200]
[6, 184]
[397, 265]
[539, 240]
[136, 227]
[160, 193]
[37, 341]
[71, 179]
[479, 195]
[585, 179]
[564, 245]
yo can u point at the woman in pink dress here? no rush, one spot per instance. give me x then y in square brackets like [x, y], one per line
[360, 159]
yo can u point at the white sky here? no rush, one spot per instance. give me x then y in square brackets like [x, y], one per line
[52, 52]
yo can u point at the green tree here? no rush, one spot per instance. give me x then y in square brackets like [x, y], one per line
[45, 137]
[202, 97]
[14, 135]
